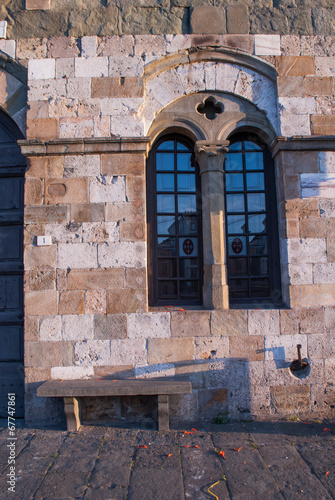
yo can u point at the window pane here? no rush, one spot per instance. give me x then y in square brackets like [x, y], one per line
[259, 266]
[164, 161]
[187, 203]
[167, 289]
[258, 245]
[251, 145]
[184, 161]
[186, 182]
[165, 182]
[236, 224]
[165, 203]
[238, 266]
[188, 247]
[236, 146]
[260, 287]
[187, 224]
[234, 182]
[254, 161]
[167, 268]
[189, 289]
[182, 147]
[233, 162]
[166, 247]
[166, 145]
[188, 268]
[235, 203]
[166, 224]
[237, 246]
[256, 202]
[255, 181]
[239, 288]
[256, 223]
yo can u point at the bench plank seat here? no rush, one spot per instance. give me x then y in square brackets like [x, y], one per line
[72, 390]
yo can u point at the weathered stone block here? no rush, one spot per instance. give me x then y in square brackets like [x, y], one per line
[126, 301]
[31, 48]
[125, 211]
[82, 166]
[88, 45]
[71, 372]
[320, 185]
[132, 231]
[125, 86]
[153, 371]
[111, 45]
[35, 374]
[51, 329]
[301, 275]
[284, 347]
[212, 402]
[88, 212]
[308, 250]
[208, 20]
[324, 273]
[197, 374]
[64, 69]
[95, 302]
[312, 295]
[76, 127]
[151, 325]
[71, 302]
[40, 257]
[8, 47]
[267, 45]
[49, 167]
[42, 279]
[291, 86]
[190, 323]
[78, 256]
[110, 326]
[41, 69]
[289, 321]
[76, 327]
[330, 250]
[43, 128]
[136, 278]
[95, 279]
[323, 125]
[122, 164]
[170, 350]
[62, 46]
[41, 303]
[237, 19]
[326, 161]
[302, 208]
[107, 189]
[78, 88]
[248, 348]
[37, 4]
[122, 254]
[290, 399]
[65, 233]
[92, 353]
[230, 373]
[30, 328]
[327, 208]
[114, 372]
[295, 66]
[30, 232]
[33, 192]
[91, 67]
[229, 323]
[39, 354]
[319, 85]
[128, 352]
[61, 279]
[263, 322]
[66, 191]
[135, 188]
[214, 348]
[294, 124]
[97, 232]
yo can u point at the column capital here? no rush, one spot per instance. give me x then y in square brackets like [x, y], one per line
[210, 155]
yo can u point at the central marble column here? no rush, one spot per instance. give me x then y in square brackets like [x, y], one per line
[210, 157]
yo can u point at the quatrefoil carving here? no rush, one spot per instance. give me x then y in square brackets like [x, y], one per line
[210, 108]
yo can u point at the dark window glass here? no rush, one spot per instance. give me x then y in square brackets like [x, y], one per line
[251, 221]
[173, 204]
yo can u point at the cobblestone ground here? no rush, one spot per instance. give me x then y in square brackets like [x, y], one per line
[287, 460]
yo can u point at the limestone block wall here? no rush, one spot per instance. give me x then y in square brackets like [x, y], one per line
[91, 103]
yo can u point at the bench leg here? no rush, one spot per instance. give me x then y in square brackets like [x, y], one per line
[163, 412]
[72, 412]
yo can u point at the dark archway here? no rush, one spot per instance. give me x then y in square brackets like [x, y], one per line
[12, 169]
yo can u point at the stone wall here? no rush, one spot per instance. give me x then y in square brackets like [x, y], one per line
[45, 18]
[92, 103]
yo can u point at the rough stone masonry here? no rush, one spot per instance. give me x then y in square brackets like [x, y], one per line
[92, 85]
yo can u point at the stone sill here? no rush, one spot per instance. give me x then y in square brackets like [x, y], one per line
[84, 146]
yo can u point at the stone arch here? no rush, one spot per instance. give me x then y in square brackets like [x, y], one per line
[13, 90]
[218, 71]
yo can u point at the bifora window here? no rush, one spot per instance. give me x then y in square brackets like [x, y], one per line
[251, 222]
[174, 223]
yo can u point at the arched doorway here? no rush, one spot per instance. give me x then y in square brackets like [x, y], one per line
[12, 168]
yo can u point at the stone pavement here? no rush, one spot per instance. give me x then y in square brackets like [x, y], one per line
[260, 460]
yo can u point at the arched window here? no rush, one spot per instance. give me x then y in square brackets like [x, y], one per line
[251, 222]
[174, 222]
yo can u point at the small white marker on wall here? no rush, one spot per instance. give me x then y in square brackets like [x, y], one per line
[3, 29]
[43, 241]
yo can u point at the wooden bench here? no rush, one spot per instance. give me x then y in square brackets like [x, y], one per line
[72, 390]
